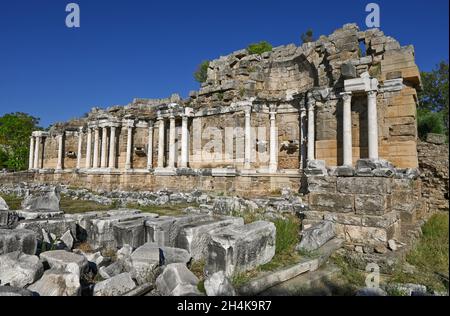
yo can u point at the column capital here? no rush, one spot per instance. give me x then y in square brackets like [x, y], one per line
[151, 124]
[129, 123]
[247, 110]
[346, 95]
[311, 104]
[372, 93]
[81, 129]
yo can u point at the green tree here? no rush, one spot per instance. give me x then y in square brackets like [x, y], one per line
[434, 95]
[201, 74]
[259, 48]
[308, 36]
[15, 132]
[429, 122]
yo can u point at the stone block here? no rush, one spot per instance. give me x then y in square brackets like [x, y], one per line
[195, 237]
[56, 226]
[8, 219]
[348, 71]
[371, 204]
[14, 291]
[57, 283]
[115, 286]
[437, 139]
[240, 248]
[316, 236]
[177, 280]
[43, 201]
[19, 269]
[322, 184]
[3, 205]
[129, 233]
[331, 202]
[23, 240]
[219, 285]
[60, 259]
[364, 185]
[158, 230]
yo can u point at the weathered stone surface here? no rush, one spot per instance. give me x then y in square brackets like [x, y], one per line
[437, 139]
[43, 201]
[14, 291]
[54, 226]
[67, 239]
[59, 259]
[333, 202]
[177, 280]
[219, 285]
[115, 286]
[57, 283]
[84, 223]
[129, 232]
[19, 269]
[8, 219]
[363, 185]
[371, 204]
[240, 248]
[3, 205]
[316, 236]
[23, 240]
[348, 71]
[158, 230]
[194, 237]
[408, 289]
[371, 291]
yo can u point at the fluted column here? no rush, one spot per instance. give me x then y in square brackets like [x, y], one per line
[161, 131]
[60, 152]
[347, 129]
[171, 163]
[112, 148]
[36, 152]
[129, 143]
[96, 144]
[372, 124]
[273, 163]
[248, 144]
[104, 154]
[80, 144]
[150, 146]
[311, 130]
[88, 149]
[184, 142]
[31, 154]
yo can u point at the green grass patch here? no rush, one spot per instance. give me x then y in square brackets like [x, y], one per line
[14, 202]
[70, 206]
[429, 256]
[353, 277]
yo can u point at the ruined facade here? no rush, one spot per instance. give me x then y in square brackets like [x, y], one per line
[253, 126]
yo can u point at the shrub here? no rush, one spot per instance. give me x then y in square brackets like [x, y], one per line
[259, 48]
[201, 74]
[429, 122]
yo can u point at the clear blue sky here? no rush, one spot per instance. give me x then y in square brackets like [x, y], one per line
[149, 49]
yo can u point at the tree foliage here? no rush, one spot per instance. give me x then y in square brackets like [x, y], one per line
[201, 74]
[15, 132]
[259, 48]
[429, 122]
[434, 96]
[308, 36]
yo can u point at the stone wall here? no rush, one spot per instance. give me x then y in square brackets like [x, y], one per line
[433, 164]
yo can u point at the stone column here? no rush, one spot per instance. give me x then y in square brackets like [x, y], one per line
[248, 136]
[273, 164]
[161, 131]
[184, 142]
[31, 154]
[372, 124]
[311, 130]
[96, 143]
[80, 143]
[347, 129]
[172, 131]
[150, 146]
[60, 152]
[88, 148]
[36, 152]
[104, 154]
[129, 143]
[112, 148]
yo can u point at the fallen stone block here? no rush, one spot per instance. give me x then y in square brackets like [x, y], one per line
[60, 259]
[57, 227]
[8, 219]
[195, 237]
[43, 201]
[316, 236]
[67, 240]
[38, 214]
[240, 248]
[84, 223]
[14, 291]
[180, 222]
[115, 286]
[129, 232]
[3, 205]
[57, 283]
[177, 280]
[219, 285]
[158, 230]
[19, 269]
[23, 240]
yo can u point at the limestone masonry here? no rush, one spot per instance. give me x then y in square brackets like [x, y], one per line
[255, 125]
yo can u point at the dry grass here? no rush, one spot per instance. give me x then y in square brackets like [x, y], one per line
[13, 201]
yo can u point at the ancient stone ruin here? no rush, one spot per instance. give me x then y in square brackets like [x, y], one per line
[329, 127]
